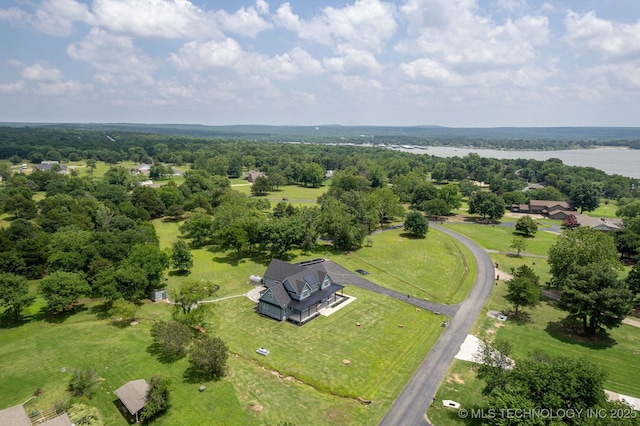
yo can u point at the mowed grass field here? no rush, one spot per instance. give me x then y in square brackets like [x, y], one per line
[436, 267]
[303, 379]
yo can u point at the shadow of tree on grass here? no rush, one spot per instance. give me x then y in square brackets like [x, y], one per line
[570, 331]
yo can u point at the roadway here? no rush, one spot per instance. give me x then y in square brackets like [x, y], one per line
[411, 405]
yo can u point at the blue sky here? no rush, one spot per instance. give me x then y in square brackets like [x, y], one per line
[461, 63]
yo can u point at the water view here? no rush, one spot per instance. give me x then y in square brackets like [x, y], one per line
[620, 161]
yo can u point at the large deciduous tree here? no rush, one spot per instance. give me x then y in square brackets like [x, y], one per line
[594, 296]
[385, 204]
[181, 257]
[526, 226]
[312, 175]
[580, 247]
[585, 196]
[14, 294]
[548, 382]
[170, 339]
[208, 357]
[522, 291]
[61, 290]
[416, 224]
[487, 204]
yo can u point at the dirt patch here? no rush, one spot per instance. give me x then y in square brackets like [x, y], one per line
[256, 407]
[457, 379]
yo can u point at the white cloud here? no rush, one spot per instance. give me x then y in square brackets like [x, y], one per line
[245, 21]
[11, 88]
[355, 83]
[115, 58]
[288, 65]
[454, 33]
[353, 61]
[198, 56]
[174, 89]
[63, 88]
[365, 24]
[426, 69]
[56, 17]
[13, 14]
[153, 18]
[611, 40]
[41, 72]
[262, 6]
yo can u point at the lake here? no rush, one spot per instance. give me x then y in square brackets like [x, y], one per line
[622, 161]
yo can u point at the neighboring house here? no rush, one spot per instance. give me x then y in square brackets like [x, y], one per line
[551, 209]
[531, 186]
[297, 292]
[45, 166]
[143, 168]
[601, 224]
[252, 175]
[328, 174]
[133, 396]
[17, 416]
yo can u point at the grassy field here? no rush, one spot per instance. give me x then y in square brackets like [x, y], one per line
[441, 269]
[605, 209]
[615, 352]
[500, 237]
[304, 369]
[382, 356]
[294, 194]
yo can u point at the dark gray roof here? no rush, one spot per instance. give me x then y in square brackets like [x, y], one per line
[47, 167]
[14, 416]
[133, 395]
[311, 274]
[280, 295]
[315, 297]
[278, 270]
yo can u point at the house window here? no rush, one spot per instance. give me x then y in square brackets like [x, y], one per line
[270, 296]
[305, 293]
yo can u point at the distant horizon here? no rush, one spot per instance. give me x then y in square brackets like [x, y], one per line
[106, 123]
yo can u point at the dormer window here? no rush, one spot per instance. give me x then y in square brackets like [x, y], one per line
[305, 293]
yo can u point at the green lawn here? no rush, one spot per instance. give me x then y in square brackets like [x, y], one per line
[295, 194]
[304, 369]
[607, 209]
[500, 237]
[437, 267]
[382, 357]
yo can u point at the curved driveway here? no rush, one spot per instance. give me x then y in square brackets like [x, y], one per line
[411, 405]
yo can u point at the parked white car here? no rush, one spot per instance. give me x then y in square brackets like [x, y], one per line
[263, 351]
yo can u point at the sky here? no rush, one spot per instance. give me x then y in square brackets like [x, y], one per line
[457, 63]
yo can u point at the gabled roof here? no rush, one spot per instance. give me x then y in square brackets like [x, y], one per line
[550, 204]
[133, 395]
[280, 295]
[604, 224]
[278, 270]
[312, 274]
[14, 416]
[315, 297]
